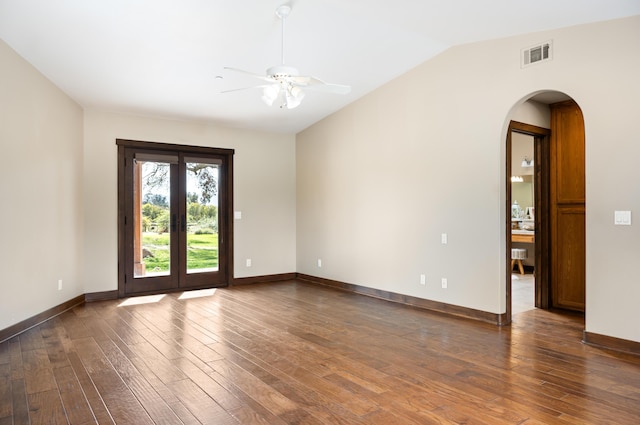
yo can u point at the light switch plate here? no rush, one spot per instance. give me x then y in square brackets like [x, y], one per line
[622, 218]
[237, 215]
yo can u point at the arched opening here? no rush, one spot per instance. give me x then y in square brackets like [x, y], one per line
[545, 206]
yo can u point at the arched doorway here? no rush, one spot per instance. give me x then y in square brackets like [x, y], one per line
[549, 231]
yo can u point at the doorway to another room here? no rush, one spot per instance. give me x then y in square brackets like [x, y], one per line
[528, 212]
[522, 222]
[546, 210]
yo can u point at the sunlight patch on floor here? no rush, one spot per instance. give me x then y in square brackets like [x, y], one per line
[198, 293]
[145, 299]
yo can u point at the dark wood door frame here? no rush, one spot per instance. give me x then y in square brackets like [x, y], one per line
[225, 213]
[541, 176]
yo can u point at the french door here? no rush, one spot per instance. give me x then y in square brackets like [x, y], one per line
[174, 209]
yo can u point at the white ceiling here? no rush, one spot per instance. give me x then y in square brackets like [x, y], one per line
[165, 57]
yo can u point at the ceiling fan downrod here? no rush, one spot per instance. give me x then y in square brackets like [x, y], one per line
[282, 12]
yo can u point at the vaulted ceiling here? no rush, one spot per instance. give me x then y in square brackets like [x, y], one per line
[166, 58]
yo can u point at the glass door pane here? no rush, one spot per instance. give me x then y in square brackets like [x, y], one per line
[152, 218]
[202, 180]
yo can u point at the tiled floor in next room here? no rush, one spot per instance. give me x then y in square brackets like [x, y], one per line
[522, 292]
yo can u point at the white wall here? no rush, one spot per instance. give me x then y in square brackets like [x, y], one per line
[40, 189]
[264, 191]
[379, 181]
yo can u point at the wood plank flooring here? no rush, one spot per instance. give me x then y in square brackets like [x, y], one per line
[295, 353]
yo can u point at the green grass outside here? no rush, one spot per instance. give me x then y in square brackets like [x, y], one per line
[202, 251]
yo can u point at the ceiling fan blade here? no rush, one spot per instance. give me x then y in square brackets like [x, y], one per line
[251, 74]
[261, 86]
[300, 80]
[317, 84]
[329, 88]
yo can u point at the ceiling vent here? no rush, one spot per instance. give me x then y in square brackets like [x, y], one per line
[539, 53]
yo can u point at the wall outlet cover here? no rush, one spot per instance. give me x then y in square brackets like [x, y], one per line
[622, 218]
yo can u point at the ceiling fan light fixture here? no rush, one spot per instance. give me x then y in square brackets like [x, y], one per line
[270, 94]
[294, 96]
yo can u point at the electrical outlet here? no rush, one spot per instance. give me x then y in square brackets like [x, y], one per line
[319, 262]
[59, 284]
[444, 239]
[248, 262]
[423, 279]
[444, 283]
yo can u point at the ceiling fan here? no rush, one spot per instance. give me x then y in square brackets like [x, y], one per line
[283, 84]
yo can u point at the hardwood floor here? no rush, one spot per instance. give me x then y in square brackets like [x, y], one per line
[295, 353]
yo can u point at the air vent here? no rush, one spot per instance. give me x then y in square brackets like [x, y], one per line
[538, 53]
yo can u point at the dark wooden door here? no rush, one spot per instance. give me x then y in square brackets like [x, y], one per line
[175, 206]
[567, 205]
